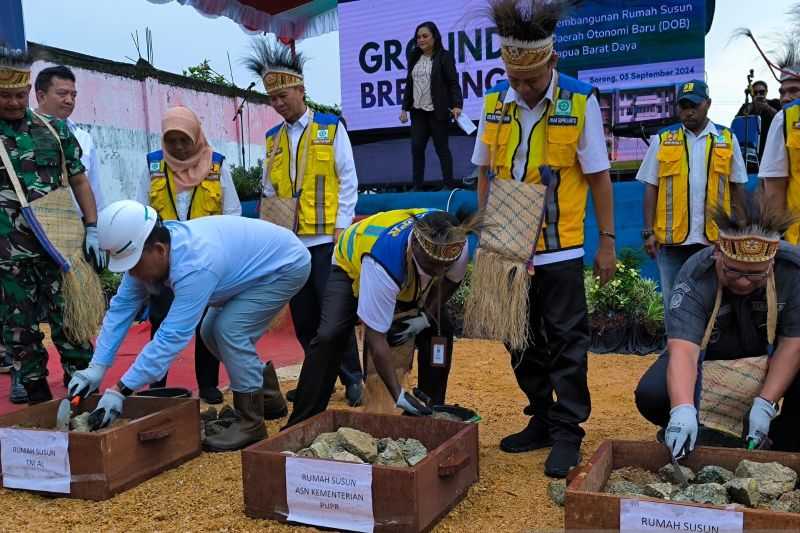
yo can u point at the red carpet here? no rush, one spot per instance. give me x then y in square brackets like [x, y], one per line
[279, 345]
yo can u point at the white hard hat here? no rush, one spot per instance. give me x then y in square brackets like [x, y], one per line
[122, 229]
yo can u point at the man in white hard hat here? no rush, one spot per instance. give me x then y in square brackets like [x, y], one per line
[246, 270]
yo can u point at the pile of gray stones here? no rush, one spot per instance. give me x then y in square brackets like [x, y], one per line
[770, 486]
[354, 446]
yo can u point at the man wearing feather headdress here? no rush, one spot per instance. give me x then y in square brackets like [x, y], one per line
[407, 261]
[541, 117]
[732, 301]
[327, 188]
[780, 162]
[31, 289]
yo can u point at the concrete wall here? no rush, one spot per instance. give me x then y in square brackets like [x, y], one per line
[123, 115]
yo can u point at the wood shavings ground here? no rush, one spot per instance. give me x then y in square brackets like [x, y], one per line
[205, 494]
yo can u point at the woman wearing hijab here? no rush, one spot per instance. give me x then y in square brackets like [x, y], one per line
[186, 179]
[432, 96]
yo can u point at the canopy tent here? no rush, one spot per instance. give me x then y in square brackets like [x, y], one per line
[288, 19]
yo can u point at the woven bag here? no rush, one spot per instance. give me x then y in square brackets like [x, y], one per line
[728, 389]
[283, 211]
[495, 310]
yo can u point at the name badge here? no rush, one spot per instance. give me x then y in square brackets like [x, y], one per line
[721, 145]
[562, 121]
[494, 118]
[671, 142]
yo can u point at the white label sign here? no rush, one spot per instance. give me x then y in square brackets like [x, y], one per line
[650, 517]
[330, 494]
[35, 460]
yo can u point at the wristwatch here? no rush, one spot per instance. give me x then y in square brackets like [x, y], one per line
[647, 233]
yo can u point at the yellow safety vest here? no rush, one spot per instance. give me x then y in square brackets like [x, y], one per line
[791, 131]
[673, 214]
[319, 198]
[392, 229]
[553, 142]
[206, 197]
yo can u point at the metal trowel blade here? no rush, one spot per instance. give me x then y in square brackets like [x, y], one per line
[63, 415]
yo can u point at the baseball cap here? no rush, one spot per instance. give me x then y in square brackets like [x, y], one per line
[695, 91]
[122, 229]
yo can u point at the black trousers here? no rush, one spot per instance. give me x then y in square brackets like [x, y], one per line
[652, 400]
[306, 307]
[318, 375]
[556, 360]
[425, 125]
[206, 366]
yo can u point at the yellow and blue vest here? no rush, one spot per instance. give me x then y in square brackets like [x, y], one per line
[553, 142]
[384, 237]
[671, 225]
[791, 132]
[319, 198]
[206, 197]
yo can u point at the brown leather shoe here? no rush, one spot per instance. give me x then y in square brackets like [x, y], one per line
[244, 432]
[274, 404]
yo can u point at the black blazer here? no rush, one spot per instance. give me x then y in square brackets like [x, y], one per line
[445, 86]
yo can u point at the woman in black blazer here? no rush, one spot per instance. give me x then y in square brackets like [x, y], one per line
[432, 96]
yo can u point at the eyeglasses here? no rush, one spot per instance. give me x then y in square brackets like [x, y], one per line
[752, 277]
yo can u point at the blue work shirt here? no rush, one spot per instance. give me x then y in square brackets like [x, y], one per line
[211, 260]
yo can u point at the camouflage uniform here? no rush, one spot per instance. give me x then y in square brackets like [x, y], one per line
[30, 282]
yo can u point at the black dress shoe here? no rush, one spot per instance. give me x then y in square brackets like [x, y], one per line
[353, 394]
[210, 395]
[564, 456]
[18, 392]
[535, 436]
[290, 396]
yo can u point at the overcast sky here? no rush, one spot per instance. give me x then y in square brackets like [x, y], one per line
[182, 37]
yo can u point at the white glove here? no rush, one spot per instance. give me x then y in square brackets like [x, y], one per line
[681, 432]
[412, 405]
[407, 329]
[84, 382]
[91, 247]
[761, 415]
[108, 409]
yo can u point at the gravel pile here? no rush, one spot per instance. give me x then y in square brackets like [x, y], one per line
[770, 486]
[354, 446]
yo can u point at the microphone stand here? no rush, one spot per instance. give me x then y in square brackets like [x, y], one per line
[238, 114]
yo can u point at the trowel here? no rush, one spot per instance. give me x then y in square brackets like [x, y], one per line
[64, 414]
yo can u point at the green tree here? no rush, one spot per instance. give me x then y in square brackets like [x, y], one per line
[204, 72]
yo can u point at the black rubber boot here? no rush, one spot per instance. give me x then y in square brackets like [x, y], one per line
[563, 457]
[38, 391]
[244, 432]
[535, 436]
[274, 405]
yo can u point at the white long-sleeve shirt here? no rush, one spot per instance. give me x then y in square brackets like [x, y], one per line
[230, 200]
[89, 160]
[345, 170]
[211, 260]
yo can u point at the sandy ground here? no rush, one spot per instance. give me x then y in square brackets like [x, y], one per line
[206, 494]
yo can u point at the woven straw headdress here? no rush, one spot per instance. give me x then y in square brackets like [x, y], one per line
[15, 69]
[277, 65]
[526, 30]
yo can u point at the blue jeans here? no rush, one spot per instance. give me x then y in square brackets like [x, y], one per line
[232, 330]
[670, 259]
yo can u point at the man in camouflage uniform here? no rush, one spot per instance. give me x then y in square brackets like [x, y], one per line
[30, 282]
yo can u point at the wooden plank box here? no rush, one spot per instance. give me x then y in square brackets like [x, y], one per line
[404, 499]
[586, 507]
[163, 433]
